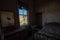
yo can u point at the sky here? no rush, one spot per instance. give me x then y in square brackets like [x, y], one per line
[23, 11]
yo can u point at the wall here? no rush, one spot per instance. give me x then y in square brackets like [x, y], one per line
[11, 6]
[50, 11]
[7, 19]
[31, 13]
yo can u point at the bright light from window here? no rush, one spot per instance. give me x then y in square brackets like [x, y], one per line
[23, 17]
[23, 11]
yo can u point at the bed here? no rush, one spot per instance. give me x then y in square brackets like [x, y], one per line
[51, 31]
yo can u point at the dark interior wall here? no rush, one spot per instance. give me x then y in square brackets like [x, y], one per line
[31, 13]
[10, 5]
[50, 11]
[38, 17]
[25, 1]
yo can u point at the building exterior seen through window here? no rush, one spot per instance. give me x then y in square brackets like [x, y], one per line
[23, 17]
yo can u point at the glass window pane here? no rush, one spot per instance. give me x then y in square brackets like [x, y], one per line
[25, 12]
[21, 11]
[23, 17]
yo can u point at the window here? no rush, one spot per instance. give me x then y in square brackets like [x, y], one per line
[23, 17]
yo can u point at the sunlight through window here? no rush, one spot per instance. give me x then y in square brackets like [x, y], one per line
[23, 17]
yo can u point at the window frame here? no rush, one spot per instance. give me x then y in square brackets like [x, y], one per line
[25, 5]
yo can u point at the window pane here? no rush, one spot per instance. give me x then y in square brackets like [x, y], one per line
[23, 17]
[21, 11]
[25, 12]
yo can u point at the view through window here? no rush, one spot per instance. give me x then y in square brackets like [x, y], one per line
[23, 17]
